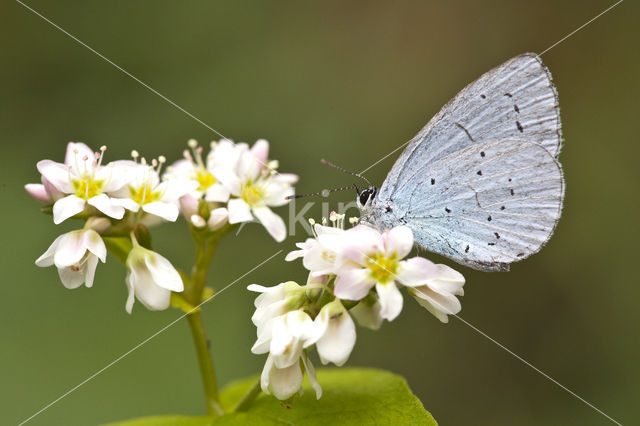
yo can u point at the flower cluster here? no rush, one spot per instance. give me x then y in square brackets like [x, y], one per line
[357, 272]
[119, 200]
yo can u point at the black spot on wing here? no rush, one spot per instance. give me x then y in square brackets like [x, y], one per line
[516, 109]
[433, 181]
[519, 126]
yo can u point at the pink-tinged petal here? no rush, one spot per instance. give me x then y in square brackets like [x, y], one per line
[163, 273]
[47, 257]
[188, 205]
[71, 249]
[218, 218]
[54, 193]
[285, 382]
[416, 271]
[77, 150]
[360, 242]
[107, 206]
[91, 241]
[57, 174]
[37, 191]
[398, 241]
[90, 270]
[293, 255]
[260, 150]
[353, 284]
[70, 279]
[311, 373]
[239, 211]
[167, 211]
[390, 300]
[217, 193]
[272, 222]
[67, 207]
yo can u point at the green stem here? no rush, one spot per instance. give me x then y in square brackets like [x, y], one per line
[248, 398]
[205, 248]
[206, 366]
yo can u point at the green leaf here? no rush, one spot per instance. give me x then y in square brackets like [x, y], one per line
[354, 396]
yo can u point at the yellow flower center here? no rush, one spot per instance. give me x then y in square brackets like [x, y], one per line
[143, 194]
[252, 194]
[87, 187]
[383, 269]
[205, 179]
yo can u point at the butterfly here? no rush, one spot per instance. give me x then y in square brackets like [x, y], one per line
[481, 183]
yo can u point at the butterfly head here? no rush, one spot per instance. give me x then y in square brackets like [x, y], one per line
[365, 197]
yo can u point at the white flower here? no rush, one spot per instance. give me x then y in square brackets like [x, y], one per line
[257, 187]
[145, 191]
[274, 302]
[336, 333]
[320, 255]
[150, 278]
[438, 295]
[282, 374]
[375, 260]
[76, 255]
[84, 181]
[193, 168]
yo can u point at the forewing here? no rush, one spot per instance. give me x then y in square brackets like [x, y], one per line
[486, 206]
[514, 100]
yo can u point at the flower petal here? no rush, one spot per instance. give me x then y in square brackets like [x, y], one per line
[218, 218]
[311, 373]
[272, 222]
[77, 151]
[368, 315]
[285, 382]
[353, 284]
[90, 270]
[416, 271]
[398, 241]
[71, 249]
[217, 193]
[163, 273]
[47, 257]
[239, 211]
[390, 300]
[339, 336]
[167, 211]
[57, 174]
[38, 192]
[70, 278]
[152, 296]
[107, 206]
[67, 207]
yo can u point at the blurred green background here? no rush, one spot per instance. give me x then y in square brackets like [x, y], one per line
[348, 81]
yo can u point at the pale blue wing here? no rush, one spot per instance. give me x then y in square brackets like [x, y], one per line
[485, 206]
[514, 100]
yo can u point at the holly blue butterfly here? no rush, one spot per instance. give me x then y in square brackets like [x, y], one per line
[481, 183]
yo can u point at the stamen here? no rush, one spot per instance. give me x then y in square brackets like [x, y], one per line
[192, 143]
[135, 154]
[161, 160]
[103, 148]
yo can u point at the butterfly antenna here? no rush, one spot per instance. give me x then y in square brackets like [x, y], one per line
[324, 193]
[330, 164]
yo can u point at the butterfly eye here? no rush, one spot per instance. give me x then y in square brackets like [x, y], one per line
[364, 196]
